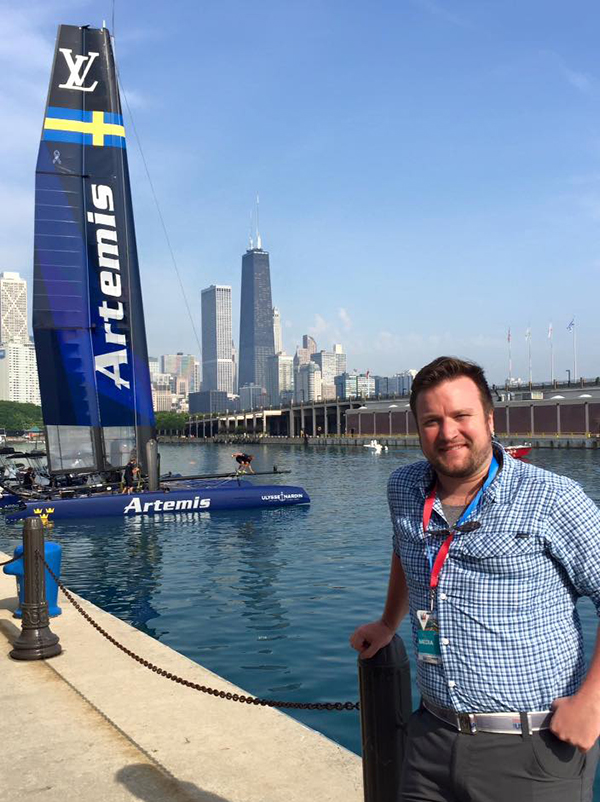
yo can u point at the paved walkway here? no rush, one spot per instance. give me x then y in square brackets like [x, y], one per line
[92, 725]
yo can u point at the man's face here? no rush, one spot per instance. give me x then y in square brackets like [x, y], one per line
[454, 429]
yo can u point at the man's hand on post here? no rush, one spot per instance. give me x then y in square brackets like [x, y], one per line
[576, 720]
[370, 638]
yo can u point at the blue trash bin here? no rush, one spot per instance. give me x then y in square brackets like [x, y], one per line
[52, 555]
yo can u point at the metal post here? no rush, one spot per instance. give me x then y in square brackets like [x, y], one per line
[36, 641]
[152, 460]
[385, 707]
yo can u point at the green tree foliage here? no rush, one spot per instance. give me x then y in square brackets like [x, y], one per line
[171, 421]
[19, 417]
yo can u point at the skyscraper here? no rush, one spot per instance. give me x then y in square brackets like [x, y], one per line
[280, 378]
[13, 309]
[277, 331]
[327, 363]
[18, 373]
[256, 317]
[217, 361]
[181, 367]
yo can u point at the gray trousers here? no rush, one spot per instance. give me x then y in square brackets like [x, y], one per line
[444, 765]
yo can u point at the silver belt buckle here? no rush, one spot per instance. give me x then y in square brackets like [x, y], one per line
[465, 724]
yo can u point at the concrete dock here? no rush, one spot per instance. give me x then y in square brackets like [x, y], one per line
[92, 724]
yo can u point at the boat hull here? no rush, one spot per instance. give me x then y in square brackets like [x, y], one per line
[190, 501]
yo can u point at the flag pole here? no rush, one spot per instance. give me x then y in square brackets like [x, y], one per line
[574, 352]
[509, 360]
[550, 333]
[529, 351]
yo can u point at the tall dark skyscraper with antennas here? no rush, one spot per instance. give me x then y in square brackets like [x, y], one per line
[256, 316]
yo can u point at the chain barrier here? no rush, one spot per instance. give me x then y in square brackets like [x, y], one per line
[234, 697]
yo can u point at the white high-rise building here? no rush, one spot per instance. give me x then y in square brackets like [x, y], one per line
[340, 366]
[18, 373]
[327, 362]
[280, 378]
[217, 361]
[307, 383]
[13, 309]
[154, 366]
[277, 331]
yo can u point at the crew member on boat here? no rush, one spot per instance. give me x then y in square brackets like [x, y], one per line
[130, 476]
[28, 478]
[490, 557]
[243, 460]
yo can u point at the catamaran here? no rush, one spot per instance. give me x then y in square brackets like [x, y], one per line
[88, 320]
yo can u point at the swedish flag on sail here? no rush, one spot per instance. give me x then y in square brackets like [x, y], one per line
[97, 128]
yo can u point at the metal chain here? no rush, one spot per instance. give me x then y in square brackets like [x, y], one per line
[234, 697]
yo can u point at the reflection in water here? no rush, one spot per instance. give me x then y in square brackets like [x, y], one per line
[267, 598]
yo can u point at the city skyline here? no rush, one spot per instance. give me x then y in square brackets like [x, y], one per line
[419, 198]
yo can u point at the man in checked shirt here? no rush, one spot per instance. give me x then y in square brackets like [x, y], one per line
[490, 557]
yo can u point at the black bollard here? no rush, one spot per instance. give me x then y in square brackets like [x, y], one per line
[385, 707]
[36, 641]
[152, 460]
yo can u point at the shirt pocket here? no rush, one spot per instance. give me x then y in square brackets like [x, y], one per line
[509, 567]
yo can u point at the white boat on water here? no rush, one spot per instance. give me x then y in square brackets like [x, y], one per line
[376, 447]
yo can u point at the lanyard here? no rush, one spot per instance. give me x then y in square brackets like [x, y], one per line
[436, 567]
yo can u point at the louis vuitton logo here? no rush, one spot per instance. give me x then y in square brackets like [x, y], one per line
[78, 70]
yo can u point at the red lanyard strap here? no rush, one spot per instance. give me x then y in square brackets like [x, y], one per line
[440, 559]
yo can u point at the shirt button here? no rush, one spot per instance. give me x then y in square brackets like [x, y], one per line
[451, 683]
[445, 641]
[443, 596]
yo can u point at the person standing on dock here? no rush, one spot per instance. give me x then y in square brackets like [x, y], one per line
[490, 557]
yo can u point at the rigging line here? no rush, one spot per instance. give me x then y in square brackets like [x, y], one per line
[158, 209]
[133, 329]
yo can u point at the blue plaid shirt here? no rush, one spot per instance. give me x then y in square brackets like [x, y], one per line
[510, 633]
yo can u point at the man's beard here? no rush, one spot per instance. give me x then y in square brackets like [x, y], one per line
[474, 462]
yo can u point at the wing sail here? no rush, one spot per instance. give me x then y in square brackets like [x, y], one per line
[88, 317]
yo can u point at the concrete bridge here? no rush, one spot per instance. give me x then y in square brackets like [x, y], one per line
[573, 415]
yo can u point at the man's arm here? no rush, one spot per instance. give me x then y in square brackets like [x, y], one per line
[574, 523]
[370, 638]
[576, 719]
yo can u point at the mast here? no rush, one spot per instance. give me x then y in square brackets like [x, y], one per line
[87, 306]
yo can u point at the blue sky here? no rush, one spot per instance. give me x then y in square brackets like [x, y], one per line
[428, 170]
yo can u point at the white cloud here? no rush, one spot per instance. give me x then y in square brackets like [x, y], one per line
[580, 80]
[437, 9]
[320, 326]
[345, 318]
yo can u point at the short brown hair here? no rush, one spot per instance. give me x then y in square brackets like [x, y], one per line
[445, 368]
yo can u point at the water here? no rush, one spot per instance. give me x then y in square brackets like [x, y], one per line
[269, 598]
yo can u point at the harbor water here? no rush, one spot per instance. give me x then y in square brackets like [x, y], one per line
[267, 598]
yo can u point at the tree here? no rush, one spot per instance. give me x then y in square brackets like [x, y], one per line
[15, 417]
[171, 421]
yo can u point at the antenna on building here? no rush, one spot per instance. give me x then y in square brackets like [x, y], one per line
[258, 239]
